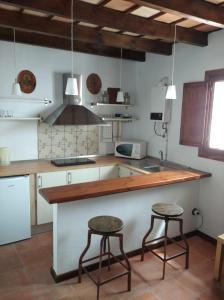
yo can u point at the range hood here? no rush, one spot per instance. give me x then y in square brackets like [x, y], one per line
[71, 113]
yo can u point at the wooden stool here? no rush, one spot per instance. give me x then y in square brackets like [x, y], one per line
[106, 226]
[219, 257]
[166, 212]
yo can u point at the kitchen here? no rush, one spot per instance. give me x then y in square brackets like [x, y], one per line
[25, 140]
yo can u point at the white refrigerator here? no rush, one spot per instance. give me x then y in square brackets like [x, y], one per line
[15, 222]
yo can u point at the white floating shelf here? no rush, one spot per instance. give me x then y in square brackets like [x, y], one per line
[120, 119]
[111, 104]
[20, 119]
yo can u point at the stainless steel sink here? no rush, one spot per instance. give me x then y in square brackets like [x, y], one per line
[155, 168]
[147, 164]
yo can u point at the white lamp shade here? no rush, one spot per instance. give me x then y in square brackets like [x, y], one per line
[16, 90]
[120, 97]
[72, 87]
[171, 92]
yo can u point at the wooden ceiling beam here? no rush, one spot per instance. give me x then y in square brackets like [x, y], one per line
[198, 10]
[37, 39]
[106, 17]
[82, 33]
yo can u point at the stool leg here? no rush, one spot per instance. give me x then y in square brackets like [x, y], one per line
[146, 236]
[108, 244]
[218, 261]
[83, 254]
[102, 245]
[186, 244]
[126, 260]
[165, 246]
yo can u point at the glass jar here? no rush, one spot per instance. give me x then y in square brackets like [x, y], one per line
[126, 98]
[105, 97]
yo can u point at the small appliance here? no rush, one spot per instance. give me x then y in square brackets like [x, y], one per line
[135, 149]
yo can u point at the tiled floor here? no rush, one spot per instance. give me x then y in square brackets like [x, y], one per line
[24, 275]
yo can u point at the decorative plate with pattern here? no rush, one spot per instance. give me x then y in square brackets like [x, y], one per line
[27, 81]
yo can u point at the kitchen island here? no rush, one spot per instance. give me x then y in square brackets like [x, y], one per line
[129, 198]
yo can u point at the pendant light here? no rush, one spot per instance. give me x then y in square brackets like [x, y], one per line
[120, 94]
[171, 89]
[16, 90]
[72, 86]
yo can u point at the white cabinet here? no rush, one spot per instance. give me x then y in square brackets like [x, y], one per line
[83, 175]
[126, 172]
[44, 180]
[108, 172]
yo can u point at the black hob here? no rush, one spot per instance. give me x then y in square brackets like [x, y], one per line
[72, 161]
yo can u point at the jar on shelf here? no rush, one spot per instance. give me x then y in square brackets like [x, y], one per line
[104, 97]
[126, 98]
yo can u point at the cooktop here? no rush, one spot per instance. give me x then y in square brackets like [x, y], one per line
[72, 161]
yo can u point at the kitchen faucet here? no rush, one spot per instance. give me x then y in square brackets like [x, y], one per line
[161, 156]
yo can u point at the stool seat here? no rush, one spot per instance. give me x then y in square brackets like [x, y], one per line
[105, 224]
[167, 209]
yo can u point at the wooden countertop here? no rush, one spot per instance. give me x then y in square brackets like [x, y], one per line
[25, 167]
[81, 191]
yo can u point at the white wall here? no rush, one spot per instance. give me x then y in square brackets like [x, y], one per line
[46, 64]
[191, 64]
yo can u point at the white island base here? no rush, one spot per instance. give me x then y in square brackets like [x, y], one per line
[70, 221]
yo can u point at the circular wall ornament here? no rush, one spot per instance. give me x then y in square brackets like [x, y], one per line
[27, 81]
[93, 83]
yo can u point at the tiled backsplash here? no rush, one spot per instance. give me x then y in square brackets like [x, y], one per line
[66, 141]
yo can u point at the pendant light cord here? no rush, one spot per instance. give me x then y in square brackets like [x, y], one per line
[72, 36]
[121, 61]
[14, 51]
[174, 53]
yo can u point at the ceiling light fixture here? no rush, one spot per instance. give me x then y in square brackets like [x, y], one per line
[171, 89]
[16, 90]
[120, 94]
[72, 86]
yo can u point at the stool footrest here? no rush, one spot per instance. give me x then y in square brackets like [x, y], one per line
[170, 257]
[106, 254]
[163, 237]
[104, 281]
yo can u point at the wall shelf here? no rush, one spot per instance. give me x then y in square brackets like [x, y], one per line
[19, 119]
[111, 104]
[120, 119]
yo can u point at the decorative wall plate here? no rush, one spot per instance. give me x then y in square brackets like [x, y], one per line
[27, 81]
[93, 83]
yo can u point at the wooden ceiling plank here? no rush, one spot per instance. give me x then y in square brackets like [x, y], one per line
[82, 33]
[110, 18]
[64, 44]
[91, 35]
[197, 10]
[126, 22]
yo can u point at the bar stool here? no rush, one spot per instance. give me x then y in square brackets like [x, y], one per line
[166, 212]
[105, 226]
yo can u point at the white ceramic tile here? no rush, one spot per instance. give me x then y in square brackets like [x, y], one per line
[57, 150]
[44, 152]
[70, 137]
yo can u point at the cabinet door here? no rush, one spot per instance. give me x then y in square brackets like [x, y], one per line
[134, 173]
[108, 172]
[124, 172]
[44, 180]
[83, 175]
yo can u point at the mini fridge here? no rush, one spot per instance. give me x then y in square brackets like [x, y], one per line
[15, 222]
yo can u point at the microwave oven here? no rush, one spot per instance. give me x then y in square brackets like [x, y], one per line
[130, 149]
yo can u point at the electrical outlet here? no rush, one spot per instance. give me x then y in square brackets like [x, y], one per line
[195, 212]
